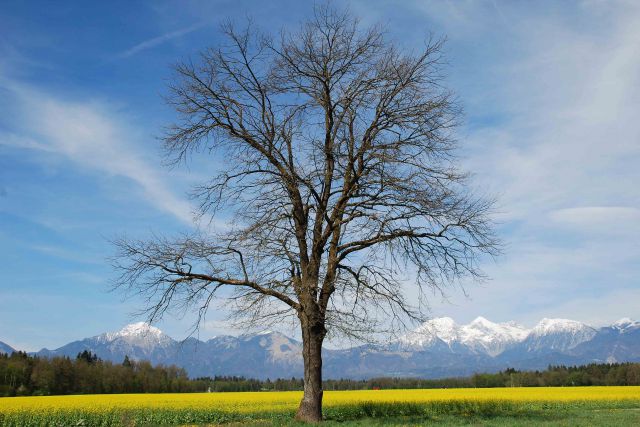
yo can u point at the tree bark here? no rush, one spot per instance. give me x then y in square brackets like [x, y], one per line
[310, 409]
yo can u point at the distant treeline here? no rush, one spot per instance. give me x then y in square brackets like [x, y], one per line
[553, 376]
[22, 375]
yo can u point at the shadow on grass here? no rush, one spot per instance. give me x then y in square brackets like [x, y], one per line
[415, 414]
[434, 410]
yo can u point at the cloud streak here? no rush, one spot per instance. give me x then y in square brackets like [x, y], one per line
[156, 41]
[92, 136]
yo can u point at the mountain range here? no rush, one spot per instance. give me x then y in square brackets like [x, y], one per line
[438, 348]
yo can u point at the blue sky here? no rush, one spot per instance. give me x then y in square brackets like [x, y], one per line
[550, 93]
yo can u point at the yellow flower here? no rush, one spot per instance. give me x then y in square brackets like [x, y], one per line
[285, 401]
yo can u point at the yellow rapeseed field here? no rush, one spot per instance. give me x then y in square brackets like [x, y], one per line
[246, 402]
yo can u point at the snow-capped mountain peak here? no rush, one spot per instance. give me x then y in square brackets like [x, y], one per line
[508, 330]
[546, 326]
[440, 324]
[140, 334]
[491, 338]
[481, 321]
[559, 334]
[481, 335]
[437, 348]
[139, 328]
[135, 330]
[443, 328]
[626, 324]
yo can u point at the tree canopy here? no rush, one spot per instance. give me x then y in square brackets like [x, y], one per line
[340, 174]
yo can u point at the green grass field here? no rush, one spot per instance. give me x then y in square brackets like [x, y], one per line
[586, 417]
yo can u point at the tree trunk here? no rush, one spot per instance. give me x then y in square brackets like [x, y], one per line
[310, 409]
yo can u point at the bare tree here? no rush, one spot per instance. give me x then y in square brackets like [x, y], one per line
[339, 166]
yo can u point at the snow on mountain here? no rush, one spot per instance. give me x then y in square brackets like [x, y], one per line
[625, 324]
[138, 329]
[437, 348]
[481, 335]
[140, 334]
[492, 338]
[558, 335]
[547, 326]
[619, 342]
[442, 328]
[139, 341]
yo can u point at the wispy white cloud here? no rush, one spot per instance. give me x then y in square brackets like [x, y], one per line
[93, 136]
[560, 85]
[156, 41]
[571, 132]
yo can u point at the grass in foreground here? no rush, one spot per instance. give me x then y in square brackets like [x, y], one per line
[567, 418]
[403, 407]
